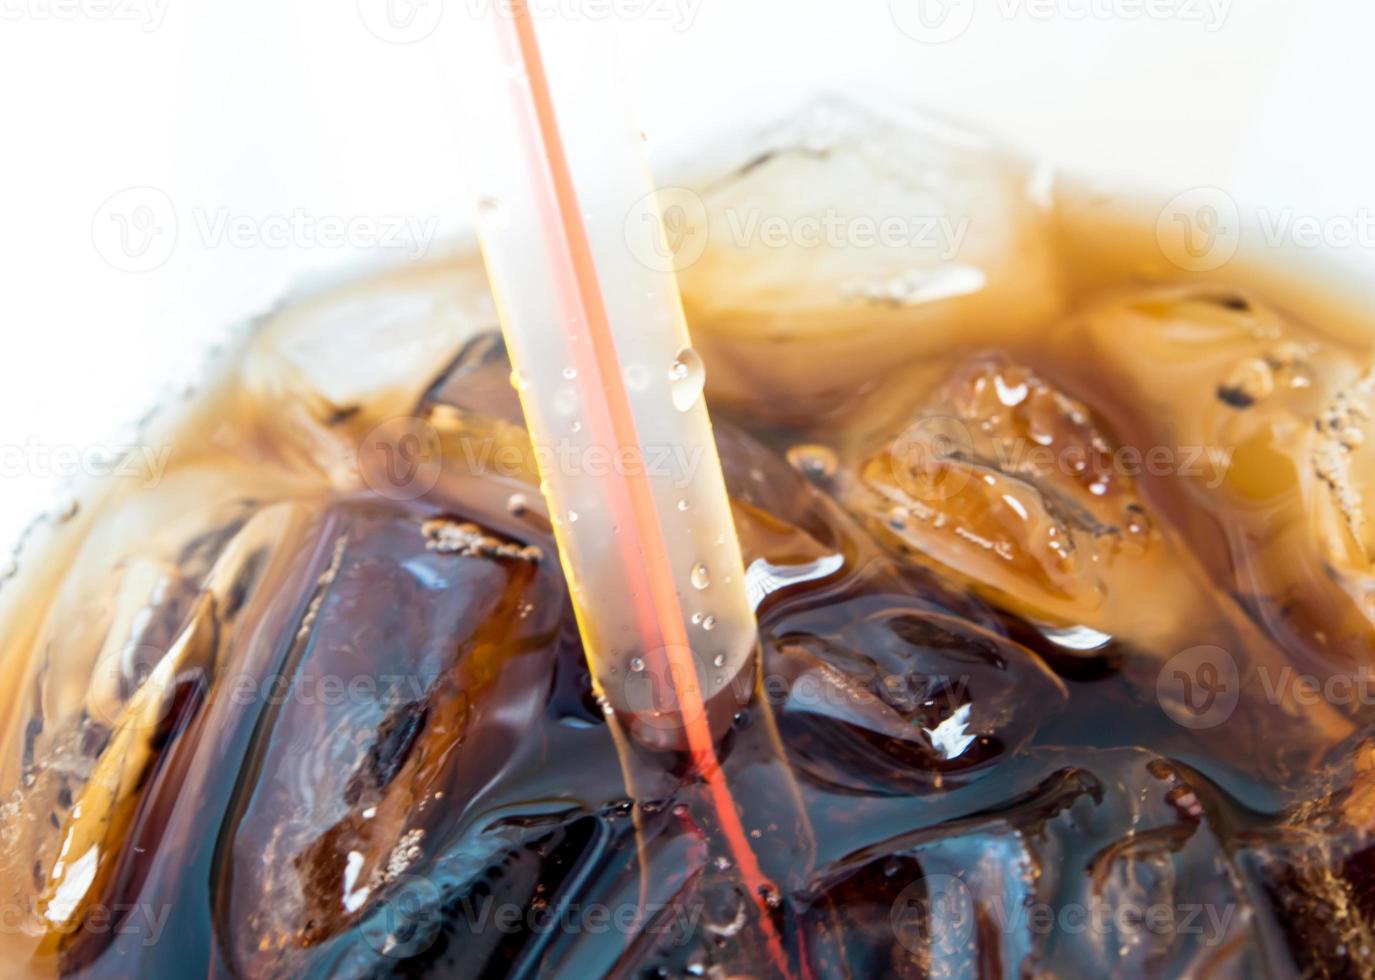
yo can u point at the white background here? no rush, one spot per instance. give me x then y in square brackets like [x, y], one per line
[255, 108]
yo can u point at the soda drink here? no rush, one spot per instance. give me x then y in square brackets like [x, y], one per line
[1059, 546]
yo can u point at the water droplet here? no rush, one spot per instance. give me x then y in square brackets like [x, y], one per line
[517, 505]
[491, 212]
[572, 517]
[719, 660]
[576, 427]
[517, 381]
[686, 378]
[637, 664]
[722, 863]
[682, 505]
[566, 401]
[569, 373]
[709, 624]
[637, 377]
[701, 576]
[696, 618]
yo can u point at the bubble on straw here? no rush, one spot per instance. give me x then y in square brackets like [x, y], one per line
[492, 213]
[687, 377]
[637, 377]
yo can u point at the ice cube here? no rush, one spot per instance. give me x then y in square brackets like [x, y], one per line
[881, 694]
[999, 476]
[1284, 412]
[1120, 865]
[847, 240]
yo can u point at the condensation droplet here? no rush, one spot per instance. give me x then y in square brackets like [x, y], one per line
[517, 505]
[637, 377]
[569, 373]
[682, 505]
[637, 664]
[566, 401]
[492, 212]
[687, 377]
[709, 624]
[701, 576]
[719, 660]
[572, 517]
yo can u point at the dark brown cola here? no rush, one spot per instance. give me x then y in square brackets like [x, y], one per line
[1065, 617]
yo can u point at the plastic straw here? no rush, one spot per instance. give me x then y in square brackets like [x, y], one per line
[610, 388]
